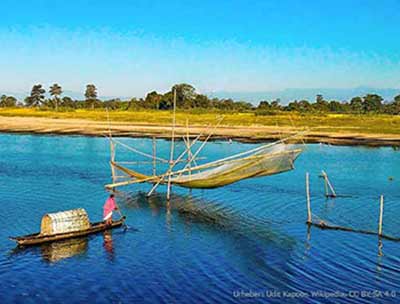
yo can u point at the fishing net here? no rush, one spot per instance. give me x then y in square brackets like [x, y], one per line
[261, 161]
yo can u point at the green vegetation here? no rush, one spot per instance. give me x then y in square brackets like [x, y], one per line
[189, 100]
[317, 122]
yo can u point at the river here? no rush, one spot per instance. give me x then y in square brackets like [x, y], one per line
[244, 242]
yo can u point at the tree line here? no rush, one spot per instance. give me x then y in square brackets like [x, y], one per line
[188, 99]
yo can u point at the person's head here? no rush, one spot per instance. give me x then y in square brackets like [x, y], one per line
[111, 195]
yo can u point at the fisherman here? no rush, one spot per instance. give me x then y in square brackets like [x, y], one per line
[108, 208]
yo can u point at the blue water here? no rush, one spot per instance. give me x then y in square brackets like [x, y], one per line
[208, 246]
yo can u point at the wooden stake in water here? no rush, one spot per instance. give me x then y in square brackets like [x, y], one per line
[328, 183]
[308, 198]
[380, 217]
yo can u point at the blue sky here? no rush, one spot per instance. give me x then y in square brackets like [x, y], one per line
[128, 48]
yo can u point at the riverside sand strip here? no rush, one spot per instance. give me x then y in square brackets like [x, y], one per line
[71, 126]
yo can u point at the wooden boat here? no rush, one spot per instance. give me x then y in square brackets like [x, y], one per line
[38, 238]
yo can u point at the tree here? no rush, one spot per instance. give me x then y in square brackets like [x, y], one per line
[185, 95]
[335, 106]
[293, 106]
[113, 104]
[319, 98]
[394, 107]
[133, 104]
[320, 105]
[275, 105]
[372, 103]
[264, 105]
[55, 92]
[243, 106]
[166, 101]
[37, 96]
[227, 104]
[202, 101]
[7, 101]
[91, 95]
[356, 105]
[67, 102]
[304, 106]
[152, 100]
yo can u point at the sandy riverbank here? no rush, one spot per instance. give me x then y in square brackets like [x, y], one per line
[88, 127]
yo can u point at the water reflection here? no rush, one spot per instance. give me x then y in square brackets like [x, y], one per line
[191, 209]
[60, 250]
[154, 205]
[254, 241]
[55, 251]
[308, 241]
[108, 244]
[168, 216]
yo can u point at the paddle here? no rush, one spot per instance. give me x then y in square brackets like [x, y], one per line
[126, 227]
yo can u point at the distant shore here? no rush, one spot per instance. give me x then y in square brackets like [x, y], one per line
[243, 133]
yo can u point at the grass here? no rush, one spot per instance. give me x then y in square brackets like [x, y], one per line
[337, 123]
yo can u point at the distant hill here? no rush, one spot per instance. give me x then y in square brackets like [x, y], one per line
[288, 95]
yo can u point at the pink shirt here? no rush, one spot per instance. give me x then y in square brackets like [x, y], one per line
[109, 206]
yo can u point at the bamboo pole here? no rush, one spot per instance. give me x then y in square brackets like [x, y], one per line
[112, 149]
[112, 160]
[187, 142]
[171, 158]
[380, 217]
[309, 219]
[329, 185]
[154, 157]
[132, 181]
[325, 226]
[146, 162]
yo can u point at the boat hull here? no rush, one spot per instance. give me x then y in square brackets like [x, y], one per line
[37, 238]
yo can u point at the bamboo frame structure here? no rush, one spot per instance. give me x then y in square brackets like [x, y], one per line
[231, 166]
[175, 162]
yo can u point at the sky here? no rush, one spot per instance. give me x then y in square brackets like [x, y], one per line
[128, 48]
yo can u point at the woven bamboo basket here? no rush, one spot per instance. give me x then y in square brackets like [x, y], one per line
[66, 221]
